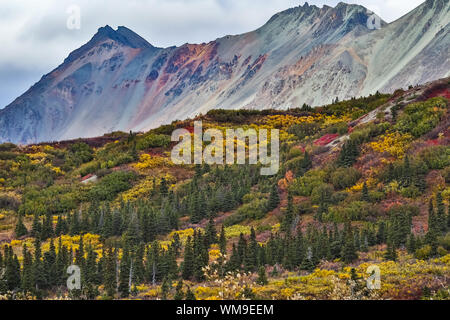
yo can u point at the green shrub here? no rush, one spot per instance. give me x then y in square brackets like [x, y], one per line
[368, 132]
[303, 186]
[421, 117]
[437, 157]
[322, 194]
[339, 197]
[305, 129]
[343, 178]
[7, 146]
[356, 210]
[295, 152]
[111, 185]
[255, 210]
[424, 252]
[444, 241]
[410, 192]
[153, 141]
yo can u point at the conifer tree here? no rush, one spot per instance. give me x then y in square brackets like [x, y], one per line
[274, 198]
[124, 274]
[262, 276]
[289, 215]
[251, 253]
[38, 268]
[391, 252]
[441, 218]
[365, 193]
[411, 244]
[223, 241]
[36, 227]
[165, 287]
[190, 296]
[349, 251]
[188, 263]
[110, 277]
[211, 233]
[179, 294]
[308, 261]
[27, 270]
[20, 229]
[163, 188]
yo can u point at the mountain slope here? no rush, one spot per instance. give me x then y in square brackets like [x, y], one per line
[118, 81]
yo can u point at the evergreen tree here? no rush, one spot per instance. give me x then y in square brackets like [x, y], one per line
[391, 252]
[211, 233]
[349, 253]
[20, 229]
[251, 253]
[365, 193]
[262, 276]
[165, 287]
[289, 215]
[188, 263]
[190, 296]
[381, 234]
[349, 154]
[163, 188]
[27, 270]
[441, 218]
[411, 244]
[274, 198]
[124, 274]
[179, 294]
[36, 227]
[223, 241]
[110, 276]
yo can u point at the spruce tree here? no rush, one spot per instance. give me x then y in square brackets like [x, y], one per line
[349, 253]
[188, 263]
[110, 277]
[190, 296]
[289, 215]
[165, 287]
[179, 294]
[391, 252]
[365, 193]
[274, 198]
[251, 253]
[223, 241]
[20, 229]
[27, 270]
[124, 273]
[211, 233]
[441, 218]
[36, 226]
[262, 276]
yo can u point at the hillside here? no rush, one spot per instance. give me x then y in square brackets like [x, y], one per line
[362, 182]
[306, 54]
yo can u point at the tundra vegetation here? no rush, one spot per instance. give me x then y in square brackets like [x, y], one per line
[349, 194]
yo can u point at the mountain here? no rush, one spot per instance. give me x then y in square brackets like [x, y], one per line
[119, 81]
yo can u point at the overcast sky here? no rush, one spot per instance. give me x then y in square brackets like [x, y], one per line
[35, 38]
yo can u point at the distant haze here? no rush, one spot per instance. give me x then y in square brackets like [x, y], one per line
[35, 38]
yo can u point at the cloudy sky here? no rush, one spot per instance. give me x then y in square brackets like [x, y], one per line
[35, 38]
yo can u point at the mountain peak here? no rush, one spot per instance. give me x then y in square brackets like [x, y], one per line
[122, 35]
